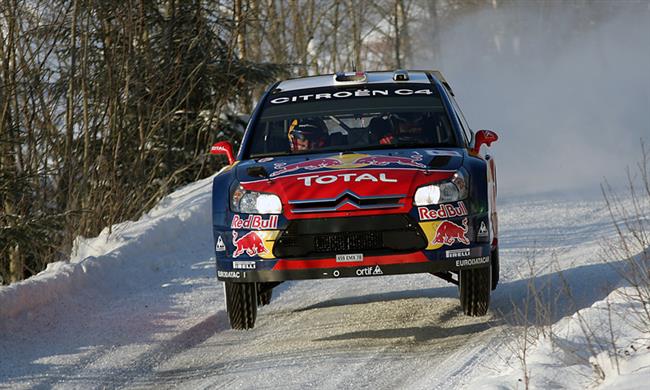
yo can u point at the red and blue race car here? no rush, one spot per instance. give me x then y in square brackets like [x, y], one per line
[356, 174]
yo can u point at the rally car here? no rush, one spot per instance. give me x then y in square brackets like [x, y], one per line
[356, 174]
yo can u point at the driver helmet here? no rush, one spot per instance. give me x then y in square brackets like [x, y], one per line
[409, 122]
[307, 134]
[409, 117]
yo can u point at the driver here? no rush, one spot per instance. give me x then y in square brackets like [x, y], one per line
[307, 134]
[406, 125]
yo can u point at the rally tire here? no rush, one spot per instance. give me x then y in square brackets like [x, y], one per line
[241, 303]
[494, 261]
[475, 286]
[264, 297]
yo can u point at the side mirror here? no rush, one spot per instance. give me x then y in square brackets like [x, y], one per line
[223, 147]
[483, 137]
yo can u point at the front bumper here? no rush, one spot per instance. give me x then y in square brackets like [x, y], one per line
[405, 244]
[278, 270]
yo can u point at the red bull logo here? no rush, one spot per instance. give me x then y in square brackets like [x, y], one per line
[448, 233]
[250, 243]
[382, 161]
[444, 211]
[254, 222]
[347, 161]
[309, 165]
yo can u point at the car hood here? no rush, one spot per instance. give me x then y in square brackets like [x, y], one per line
[349, 181]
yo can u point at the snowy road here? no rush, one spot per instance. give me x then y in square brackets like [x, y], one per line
[148, 311]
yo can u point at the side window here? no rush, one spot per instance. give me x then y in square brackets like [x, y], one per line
[463, 121]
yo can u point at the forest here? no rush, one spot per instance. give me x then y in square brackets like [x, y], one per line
[106, 106]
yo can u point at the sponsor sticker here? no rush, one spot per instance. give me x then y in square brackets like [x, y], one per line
[350, 94]
[229, 274]
[449, 233]
[243, 264]
[255, 222]
[442, 212]
[369, 271]
[347, 177]
[349, 161]
[220, 247]
[482, 231]
[349, 258]
[455, 253]
[250, 243]
[475, 261]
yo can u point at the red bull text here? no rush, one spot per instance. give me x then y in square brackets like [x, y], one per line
[444, 211]
[255, 222]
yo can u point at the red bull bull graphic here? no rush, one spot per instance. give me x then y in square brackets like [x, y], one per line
[448, 233]
[255, 222]
[382, 161]
[347, 161]
[250, 243]
[443, 212]
[309, 165]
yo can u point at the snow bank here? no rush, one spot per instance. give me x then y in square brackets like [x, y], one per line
[146, 246]
[602, 346]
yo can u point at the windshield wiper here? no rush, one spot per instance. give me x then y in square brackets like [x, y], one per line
[274, 154]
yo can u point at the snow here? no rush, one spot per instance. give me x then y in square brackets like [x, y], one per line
[141, 307]
[601, 346]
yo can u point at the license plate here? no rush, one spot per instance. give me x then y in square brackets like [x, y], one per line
[349, 258]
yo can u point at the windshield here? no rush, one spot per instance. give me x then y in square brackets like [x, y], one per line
[353, 118]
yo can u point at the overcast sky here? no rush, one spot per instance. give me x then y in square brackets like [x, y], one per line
[570, 104]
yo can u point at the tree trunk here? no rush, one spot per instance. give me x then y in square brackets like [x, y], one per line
[9, 123]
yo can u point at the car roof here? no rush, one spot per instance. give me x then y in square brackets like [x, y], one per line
[375, 77]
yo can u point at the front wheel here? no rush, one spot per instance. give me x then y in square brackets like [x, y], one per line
[241, 303]
[264, 294]
[475, 286]
[495, 267]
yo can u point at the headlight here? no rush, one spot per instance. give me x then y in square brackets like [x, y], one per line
[251, 202]
[451, 190]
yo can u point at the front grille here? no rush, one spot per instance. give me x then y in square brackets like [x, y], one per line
[347, 197]
[325, 237]
[345, 242]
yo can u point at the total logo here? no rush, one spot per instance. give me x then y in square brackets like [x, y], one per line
[369, 271]
[444, 211]
[254, 222]
[347, 177]
[250, 243]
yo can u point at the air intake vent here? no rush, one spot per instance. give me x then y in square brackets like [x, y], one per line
[326, 237]
[346, 198]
